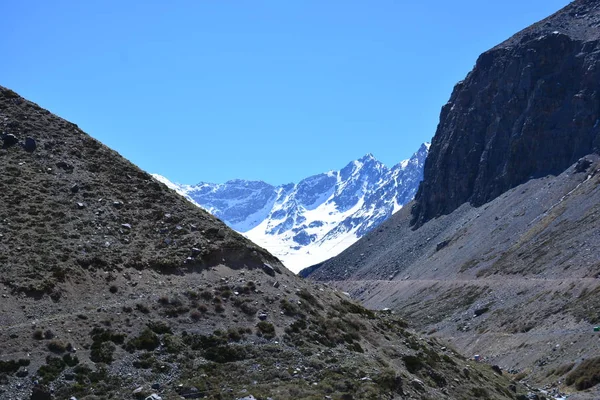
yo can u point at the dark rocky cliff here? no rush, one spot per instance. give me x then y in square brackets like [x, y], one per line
[529, 108]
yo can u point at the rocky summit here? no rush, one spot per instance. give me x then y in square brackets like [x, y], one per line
[306, 223]
[530, 107]
[499, 252]
[115, 287]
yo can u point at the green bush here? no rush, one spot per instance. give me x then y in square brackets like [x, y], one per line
[51, 370]
[102, 352]
[159, 327]
[225, 354]
[56, 346]
[266, 329]
[413, 363]
[147, 340]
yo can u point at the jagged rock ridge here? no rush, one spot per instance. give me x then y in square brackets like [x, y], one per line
[530, 107]
[317, 218]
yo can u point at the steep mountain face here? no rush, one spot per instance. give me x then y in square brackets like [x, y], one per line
[530, 107]
[113, 286]
[499, 252]
[309, 222]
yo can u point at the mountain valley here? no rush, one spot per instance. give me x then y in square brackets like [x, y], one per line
[113, 286]
[306, 223]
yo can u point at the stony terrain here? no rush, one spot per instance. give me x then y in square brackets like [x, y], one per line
[530, 107]
[500, 252]
[520, 272]
[114, 287]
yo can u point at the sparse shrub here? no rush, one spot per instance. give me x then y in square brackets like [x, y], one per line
[225, 353]
[290, 309]
[412, 363]
[563, 369]
[147, 340]
[56, 346]
[49, 334]
[38, 334]
[296, 326]
[355, 346]
[70, 361]
[51, 370]
[206, 295]
[195, 315]
[102, 352]
[219, 308]
[159, 327]
[266, 329]
[173, 344]
[245, 306]
[202, 308]
[346, 306]
[10, 367]
[127, 309]
[234, 334]
[113, 289]
[142, 308]
[388, 380]
[479, 392]
[586, 375]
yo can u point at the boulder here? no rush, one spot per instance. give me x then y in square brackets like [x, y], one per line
[9, 140]
[30, 145]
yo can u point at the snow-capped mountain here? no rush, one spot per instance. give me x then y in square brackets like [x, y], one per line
[317, 218]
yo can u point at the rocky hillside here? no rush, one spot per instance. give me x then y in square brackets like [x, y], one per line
[113, 286]
[317, 218]
[529, 108]
[499, 252]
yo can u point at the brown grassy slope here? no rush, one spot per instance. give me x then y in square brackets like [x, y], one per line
[102, 292]
[74, 203]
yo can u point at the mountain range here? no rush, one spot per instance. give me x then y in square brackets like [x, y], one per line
[306, 223]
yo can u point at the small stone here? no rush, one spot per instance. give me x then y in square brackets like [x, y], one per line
[418, 384]
[75, 188]
[268, 269]
[262, 316]
[80, 205]
[126, 226]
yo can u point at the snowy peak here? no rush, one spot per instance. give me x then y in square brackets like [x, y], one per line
[320, 216]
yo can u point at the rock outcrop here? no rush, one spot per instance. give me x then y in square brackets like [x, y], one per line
[529, 108]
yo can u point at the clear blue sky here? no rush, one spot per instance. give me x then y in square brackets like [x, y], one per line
[273, 90]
